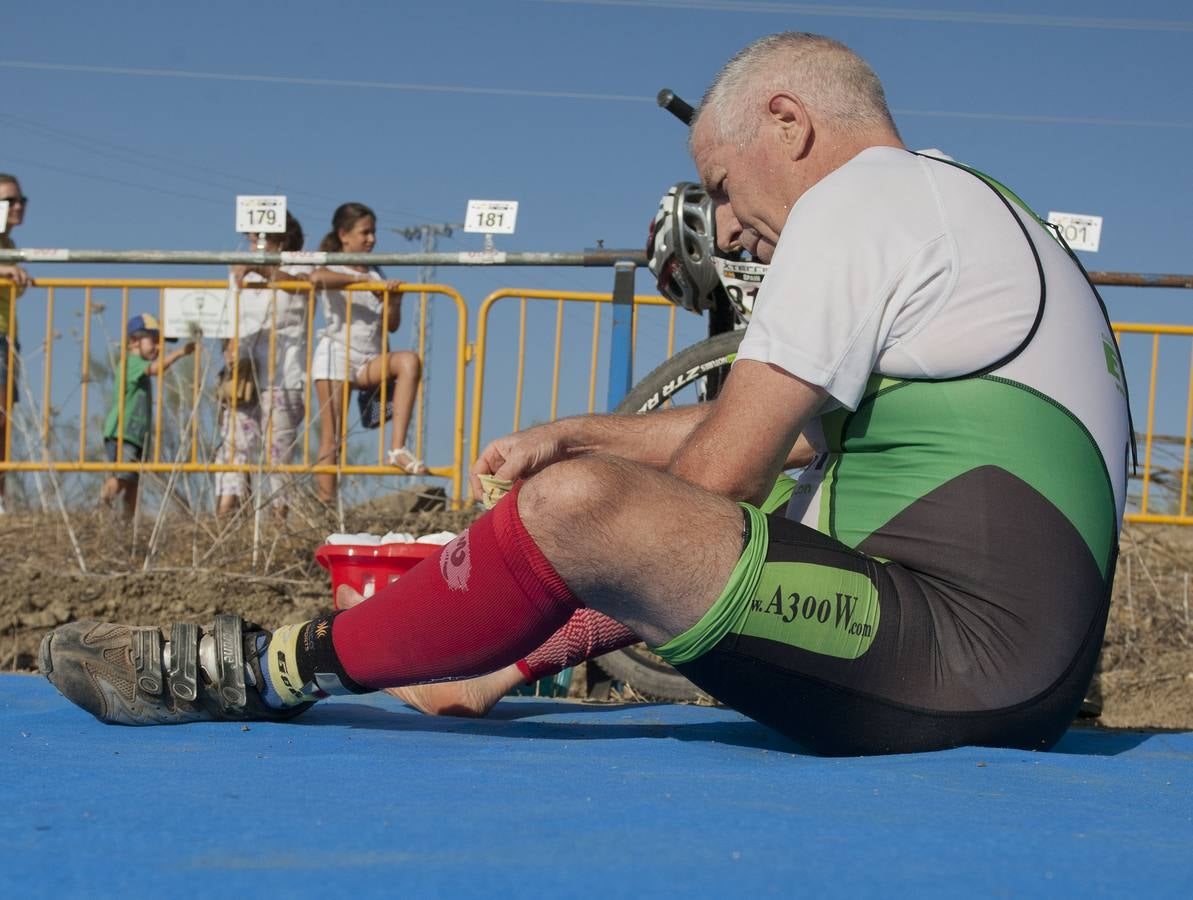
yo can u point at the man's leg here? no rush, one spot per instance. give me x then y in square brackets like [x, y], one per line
[592, 532]
[589, 532]
[587, 634]
[646, 549]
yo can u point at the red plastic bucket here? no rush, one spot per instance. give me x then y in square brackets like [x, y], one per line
[366, 568]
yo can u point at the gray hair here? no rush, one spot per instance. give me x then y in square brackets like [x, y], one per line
[830, 78]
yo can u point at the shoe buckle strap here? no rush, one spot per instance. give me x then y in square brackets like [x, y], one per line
[147, 659]
[229, 645]
[183, 674]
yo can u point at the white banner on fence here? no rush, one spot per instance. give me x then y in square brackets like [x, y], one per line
[191, 311]
[46, 254]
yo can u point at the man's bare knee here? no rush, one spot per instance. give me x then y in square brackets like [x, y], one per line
[574, 491]
[608, 527]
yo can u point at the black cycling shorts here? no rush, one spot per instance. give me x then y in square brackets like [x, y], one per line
[852, 654]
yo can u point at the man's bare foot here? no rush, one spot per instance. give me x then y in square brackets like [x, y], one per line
[470, 697]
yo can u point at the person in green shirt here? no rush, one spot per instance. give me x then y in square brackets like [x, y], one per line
[128, 444]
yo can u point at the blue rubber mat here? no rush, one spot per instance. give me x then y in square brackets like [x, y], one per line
[364, 797]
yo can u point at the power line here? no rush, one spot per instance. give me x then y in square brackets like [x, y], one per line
[35, 164]
[568, 95]
[321, 82]
[129, 155]
[837, 10]
[1041, 120]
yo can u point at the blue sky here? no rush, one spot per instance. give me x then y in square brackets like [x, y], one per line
[133, 125]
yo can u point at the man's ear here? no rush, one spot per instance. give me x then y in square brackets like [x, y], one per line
[788, 113]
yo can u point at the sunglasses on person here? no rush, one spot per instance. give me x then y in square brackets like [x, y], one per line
[21, 199]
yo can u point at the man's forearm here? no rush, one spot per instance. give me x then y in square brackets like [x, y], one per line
[650, 439]
[741, 447]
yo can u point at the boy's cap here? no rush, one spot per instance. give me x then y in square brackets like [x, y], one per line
[146, 323]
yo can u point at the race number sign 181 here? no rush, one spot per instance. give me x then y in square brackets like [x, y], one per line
[491, 216]
[1081, 232]
[258, 214]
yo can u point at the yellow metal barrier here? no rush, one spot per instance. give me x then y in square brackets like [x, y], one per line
[558, 299]
[1164, 459]
[1153, 474]
[1157, 473]
[52, 286]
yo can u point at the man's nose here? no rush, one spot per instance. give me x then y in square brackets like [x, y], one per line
[728, 229]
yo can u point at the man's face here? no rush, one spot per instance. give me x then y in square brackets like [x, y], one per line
[752, 185]
[11, 191]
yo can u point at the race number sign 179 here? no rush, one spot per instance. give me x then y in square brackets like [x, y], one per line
[491, 216]
[260, 214]
[1081, 232]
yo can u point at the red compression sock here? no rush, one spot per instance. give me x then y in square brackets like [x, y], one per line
[485, 600]
[587, 633]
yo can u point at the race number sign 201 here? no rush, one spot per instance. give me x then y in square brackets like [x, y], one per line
[1081, 232]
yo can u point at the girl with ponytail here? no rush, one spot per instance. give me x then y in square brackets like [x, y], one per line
[352, 350]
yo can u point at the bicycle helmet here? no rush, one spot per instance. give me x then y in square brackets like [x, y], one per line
[682, 255]
[681, 246]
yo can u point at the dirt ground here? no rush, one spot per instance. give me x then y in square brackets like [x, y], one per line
[90, 565]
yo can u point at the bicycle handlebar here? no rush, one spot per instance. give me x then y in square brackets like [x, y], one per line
[673, 104]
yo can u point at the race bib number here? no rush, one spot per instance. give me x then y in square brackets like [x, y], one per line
[742, 281]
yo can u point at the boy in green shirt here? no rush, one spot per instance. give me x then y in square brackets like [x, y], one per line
[141, 363]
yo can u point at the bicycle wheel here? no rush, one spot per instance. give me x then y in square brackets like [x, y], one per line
[693, 375]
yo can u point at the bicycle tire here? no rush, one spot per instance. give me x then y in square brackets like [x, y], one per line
[648, 675]
[711, 357]
[708, 360]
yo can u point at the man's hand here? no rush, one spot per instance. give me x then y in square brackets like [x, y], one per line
[650, 440]
[519, 455]
[16, 275]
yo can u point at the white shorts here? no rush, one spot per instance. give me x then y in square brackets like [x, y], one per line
[327, 363]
